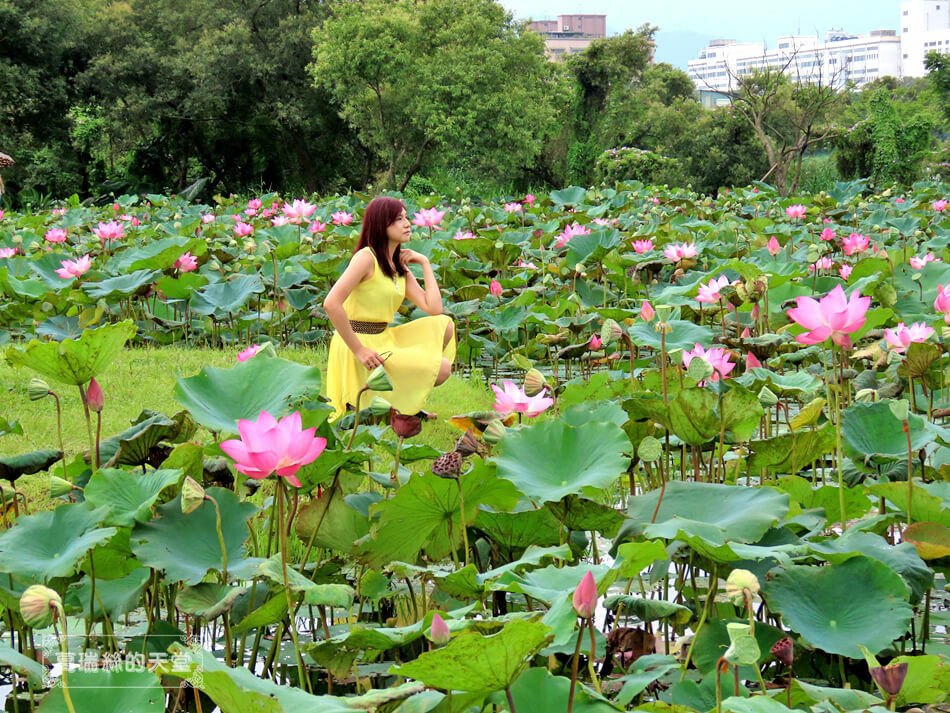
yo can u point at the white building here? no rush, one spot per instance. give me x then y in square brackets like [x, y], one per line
[839, 59]
[925, 27]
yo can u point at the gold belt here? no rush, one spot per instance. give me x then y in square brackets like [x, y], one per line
[367, 327]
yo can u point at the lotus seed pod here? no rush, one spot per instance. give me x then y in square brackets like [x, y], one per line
[784, 650]
[192, 495]
[379, 406]
[866, 396]
[494, 432]
[738, 581]
[38, 389]
[58, 487]
[448, 465]
[534, 382]
[405, 425]
[39, 606]
[379, 380]
[766, 397]
[699, 369]
[610, 332]
[890, 677]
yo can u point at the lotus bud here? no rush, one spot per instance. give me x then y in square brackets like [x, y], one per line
[738, 582]
[379, 380]
[699, 369]
[534, 382]
[380, 406]
[891, 677]
[494, 432]
[405, 425]
[250, 246]
[439, 631]
[58, 487]
[784, 650]
[610, 332]
[756, 313]
[39, 606]
[38, 389]
[766, 397]
[585, 596]
[192, 495]
[647, 313]
[17, 239]
[95, 399]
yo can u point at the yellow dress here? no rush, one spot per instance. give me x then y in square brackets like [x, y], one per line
[416, 348]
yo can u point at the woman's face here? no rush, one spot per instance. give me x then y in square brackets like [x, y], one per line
[399, 230]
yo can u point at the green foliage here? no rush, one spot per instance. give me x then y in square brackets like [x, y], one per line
[631, 164]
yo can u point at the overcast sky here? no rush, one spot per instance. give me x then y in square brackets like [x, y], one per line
[687, 25]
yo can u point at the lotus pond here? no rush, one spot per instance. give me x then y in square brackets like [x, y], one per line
[717, 478]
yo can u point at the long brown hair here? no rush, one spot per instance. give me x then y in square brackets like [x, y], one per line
[381, 212]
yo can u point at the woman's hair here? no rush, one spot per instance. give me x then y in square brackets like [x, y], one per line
[380, 214]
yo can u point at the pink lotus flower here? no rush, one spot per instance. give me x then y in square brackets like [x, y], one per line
[902, 336]
[773, 247]
[595, 342]
[495, 288]
[585, 596]
[207, 218]
[512, 399]
[823, 263]
[242, 229]
[512, 207]
[439, 631]
[95, 399]
[116, 207]
[55, 235]
[855, 243]
[341, 217]
[135, 221]
[7, 252]
[918, 262]
[248, 353]
[3, 213]
[647, 313]
[529, 199]
[642, 246]
[280, 220]
[428, 217]
[680, 251]
[718, 359]
[899, 200]
[74, 268]
[942, 303]
[796, 211]
[939, 205]
[564, 237]
[316, 226]
[250, 212]
[751, 362]
[746, 332]
[827, 234]
[845, 271]
[834, 315]
[467, 235]
[109, 231]
[526, 265]
[266, 213]
[255, 204]
[298, 210]
[601, 222]
[710, 291]
[186, 262]
[655, 200]
[270, 446]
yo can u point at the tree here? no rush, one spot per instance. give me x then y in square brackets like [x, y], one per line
[418, 81]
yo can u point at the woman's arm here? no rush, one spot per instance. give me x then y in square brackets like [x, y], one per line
[430, 299]
[360, 268]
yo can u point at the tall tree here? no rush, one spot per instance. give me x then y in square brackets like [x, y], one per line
[419, 81]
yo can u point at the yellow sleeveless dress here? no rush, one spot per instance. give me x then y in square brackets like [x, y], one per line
[416, 348]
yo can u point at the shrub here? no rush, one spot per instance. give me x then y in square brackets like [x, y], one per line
[633, 164]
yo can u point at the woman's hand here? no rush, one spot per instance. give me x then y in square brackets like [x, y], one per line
[409, 256]
[368, 358]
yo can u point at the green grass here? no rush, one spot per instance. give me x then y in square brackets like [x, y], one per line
[145, 379]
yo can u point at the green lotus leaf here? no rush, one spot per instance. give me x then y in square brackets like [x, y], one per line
[579, 513]
[644, 671]
[649, 609]
[840, 606]
[217, 398]
[634, 557]
[340, 524]
[713, 640]
[572, 195]
[549, 460]
[51, 544]
[476, 663]
[74, 361]
[872, 431]
[848, 699]
[208, 600]
[270, 612]
[155, 254]
[931, 539]
[23, 665]
[108, 690]
[181, 287]
[333, 595]
[741, 412]
[857, 503]
[790, 452]
[121, 286]
[927, 680]
[754, 704]
[226, 298]
[8, 428]
[552, 583]
[925, 505]
[117, 596]
[186, 546]
[792, 383]
[518, 530]
[692, 416]
[685, 335]
[127, 497]
[133, 446]
[12, 467]
[537, 690]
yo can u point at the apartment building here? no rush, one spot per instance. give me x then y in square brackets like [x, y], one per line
[570, 34]
[924, 27]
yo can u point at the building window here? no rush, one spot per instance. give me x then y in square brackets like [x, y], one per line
[905, 13]
[905, 29]
[905, 56]
[783, 45]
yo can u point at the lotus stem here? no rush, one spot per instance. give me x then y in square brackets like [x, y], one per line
[910, 470]
[64, 653]
[577, 653]
[92, 441]
[511, 701]
[59, 431]
[710, 595]
[356, 417]
[395, 474]
[316, 529]
[593, 653]
[98, 436]
[458, 481]
[224, 550]
[282, 539]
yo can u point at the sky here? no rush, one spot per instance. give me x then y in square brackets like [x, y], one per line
[686, 26]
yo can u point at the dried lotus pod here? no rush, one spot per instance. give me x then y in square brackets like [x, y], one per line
[448, 465]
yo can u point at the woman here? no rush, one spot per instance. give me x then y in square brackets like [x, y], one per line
[417, 355]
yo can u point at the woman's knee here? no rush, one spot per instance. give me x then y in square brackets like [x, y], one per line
[449, 332]
[445, 370]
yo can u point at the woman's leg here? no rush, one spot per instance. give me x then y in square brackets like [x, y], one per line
[449, 333]
[445, 370]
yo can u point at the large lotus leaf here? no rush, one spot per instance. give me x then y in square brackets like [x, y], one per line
[208, 600]
[120, 286]
[685, 335]
[805, 695]
[74, 361]
[791, 452]
[332, 595]
[217, 398]
[634, 557]
[551, 584]
[155, 254]
[649, 609]
[713, 640]
[537, 690]
[472, 662]
[114, 559]
[755, 704]
[714, 513]
[927, 681]
[925, 506]
[582, 514]
[117, 596]
[127, 497]
[22, 666]
[50, 544]
[425, 514]
[572, 195]
[181, 287]
[226, 298]
[808, 497]
[693, 417]
[108, 690]
[340, 524]
[12, 467]
[873, 431]
[931, 539]
[741, 412]
[793, 383]
[902, 558]
[838, 607]
[549, 460]
[644, 671]
[133, 446]
[186, 546]
[518, 530]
